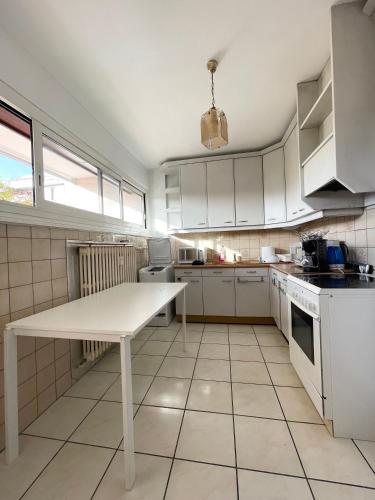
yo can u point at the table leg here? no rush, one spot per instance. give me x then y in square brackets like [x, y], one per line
[127, 411]
[11, 396]
[184, 316]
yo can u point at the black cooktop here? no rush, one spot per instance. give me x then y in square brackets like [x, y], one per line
[338, 280]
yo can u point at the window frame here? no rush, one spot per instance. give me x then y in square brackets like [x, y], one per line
[135, 190]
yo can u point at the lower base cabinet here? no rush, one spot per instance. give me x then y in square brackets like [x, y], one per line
[218, 296]
[194, 296]
[252, 296]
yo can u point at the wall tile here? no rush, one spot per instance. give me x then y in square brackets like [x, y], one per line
[46, 398]
[43, 341]
[58, 233]
[371, 237]
[43, 307]
[3, 230]
[62, 346]
[360, 238]
[63, 384]
[41, 249]
[45, 356]
[20, 297]
[20, 273]
[17, 231]
[58, 249]
[26, 368]
[59, 287]
[72, 234]
[26, 392]
[58, 268]
[27, 414]
[41, 270]
[60, 301]
[371, 256]
[4, 302]
[4, 281]
[26, 346]
[62, 365]
[42, 292]
[361, 221]
[22, 313]
[3, 250]
[40, 232]
[45, 377]
[19, 249]
[370, 217]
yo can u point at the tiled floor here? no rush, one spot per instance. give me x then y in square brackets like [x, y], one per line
[227, 419]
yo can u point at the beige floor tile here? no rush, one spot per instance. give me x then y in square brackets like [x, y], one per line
[266, 445]
[331, 491]
[214, 338]
[155, 348]
[201, 482]
[240, 329]
[177, 367]
[146, 365]
[256, 401]
[156, 430]
[168, 392]
[109, 363]
[92, 385]
[284, 374]
[250, 372]
[35, 453]
[141, 383]
[173, 325]
[207, 437]
[207, 395]
[272, 339]
[146, 333]
[163, 335]
[266, 329]
[150, 481]
[102, 427]
[245, 353]
[134, 346]
[191, 336]
[216, 327]
[261, 486]
[61, 418]
[177, 349]
[328, 458]
[242, 338]
[195, 327]
[72, 474]
[214, 351]
[212, 369]
[368, 450]
[297, 405]
[276, 354]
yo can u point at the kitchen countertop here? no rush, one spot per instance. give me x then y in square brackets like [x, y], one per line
[284, 268]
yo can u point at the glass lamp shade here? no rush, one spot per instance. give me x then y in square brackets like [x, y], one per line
[214, 129]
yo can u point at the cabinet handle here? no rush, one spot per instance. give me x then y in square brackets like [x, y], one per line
[194, 281]
[227, 281]
[271, 219]
[201, 223]
[301, 210]
[228, 222]
[243, 221]
[188, 272]
[250, 272]
[294, 213]
[258, 279]
[217, 272]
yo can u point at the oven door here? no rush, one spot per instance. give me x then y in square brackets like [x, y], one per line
[305, 354]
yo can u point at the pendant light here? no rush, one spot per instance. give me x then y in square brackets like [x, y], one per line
[214, 128]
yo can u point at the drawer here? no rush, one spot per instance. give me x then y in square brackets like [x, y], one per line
[251, 271]
[218, 272]
[179, 273]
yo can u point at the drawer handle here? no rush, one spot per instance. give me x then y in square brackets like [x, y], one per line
[194, 281]
[228, 222]
[188, 272]
[227, 281]
[250, 272]
[271, 219]
[201, 223]
[256, 279]
[294, 213]
[301, 210]
[217, 272]
[243, 221]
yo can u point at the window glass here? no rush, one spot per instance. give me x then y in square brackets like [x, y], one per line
[111, 197]
[16, 166]
[133, 205]
[68, 179]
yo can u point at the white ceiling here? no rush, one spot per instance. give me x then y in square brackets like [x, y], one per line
[139, 66]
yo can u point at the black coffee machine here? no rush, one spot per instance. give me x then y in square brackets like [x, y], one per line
[315, 259]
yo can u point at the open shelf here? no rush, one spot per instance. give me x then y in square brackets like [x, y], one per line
[320, 110]
[320, 145]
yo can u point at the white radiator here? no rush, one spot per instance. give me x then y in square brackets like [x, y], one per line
[101, 267]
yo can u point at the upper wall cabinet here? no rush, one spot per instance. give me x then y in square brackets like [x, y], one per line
[220, 193]
[193, 195]
[248, 180]
[274, 187]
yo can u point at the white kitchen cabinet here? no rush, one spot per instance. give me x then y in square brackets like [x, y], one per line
[284, 312]
[252, 294]
[193, 195]
[220, 193]
[274, 187]
[296, 207]
[194, 295]
[248, 180]
[219, 296]
[275, 298]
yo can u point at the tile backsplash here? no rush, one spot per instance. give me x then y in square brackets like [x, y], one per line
[33, 278]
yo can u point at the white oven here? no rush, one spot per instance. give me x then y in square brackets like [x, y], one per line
[305, 340]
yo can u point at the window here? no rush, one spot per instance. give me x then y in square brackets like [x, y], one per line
[133, 202]
[111, 197]
[16, 165]
[68, 179]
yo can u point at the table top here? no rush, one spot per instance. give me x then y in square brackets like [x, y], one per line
[122, 310]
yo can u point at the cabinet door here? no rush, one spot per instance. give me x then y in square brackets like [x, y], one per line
[274, 187]
[218, 296]
[220, 193]
[252, 297]
[284, 314]
[194, 296]
[248, 180]
[296, 207]
[193, 195]
[275, 300]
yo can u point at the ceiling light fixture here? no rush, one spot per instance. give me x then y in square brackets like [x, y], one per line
[214, 127]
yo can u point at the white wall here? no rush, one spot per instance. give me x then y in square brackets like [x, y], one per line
[22, 73]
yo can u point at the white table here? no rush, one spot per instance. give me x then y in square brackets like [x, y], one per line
[114, 315]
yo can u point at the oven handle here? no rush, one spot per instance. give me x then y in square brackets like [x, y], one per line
[316, 317]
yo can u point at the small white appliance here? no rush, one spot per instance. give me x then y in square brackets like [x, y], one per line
[187, 255]
[331, 321]
[267, 255]
[159, 270]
